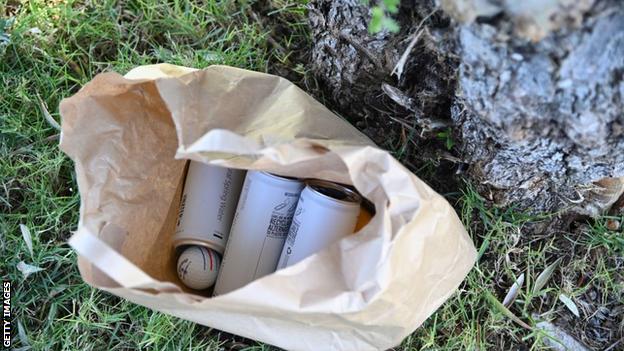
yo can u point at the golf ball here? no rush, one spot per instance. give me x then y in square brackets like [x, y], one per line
[198, 267]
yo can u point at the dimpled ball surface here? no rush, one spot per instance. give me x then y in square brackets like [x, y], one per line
[198, 267]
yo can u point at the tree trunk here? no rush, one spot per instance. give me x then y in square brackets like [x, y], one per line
[527, 101]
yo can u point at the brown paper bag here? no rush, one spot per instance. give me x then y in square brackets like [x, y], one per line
[130, 138]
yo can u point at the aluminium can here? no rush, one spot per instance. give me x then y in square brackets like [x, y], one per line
[263, 216]
[326, 212]
[207, 206]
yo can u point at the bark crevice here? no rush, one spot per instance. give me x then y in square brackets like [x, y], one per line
[534, 103]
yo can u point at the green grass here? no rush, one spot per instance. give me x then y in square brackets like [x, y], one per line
[507, 248]
[54, 48]
[57, 46]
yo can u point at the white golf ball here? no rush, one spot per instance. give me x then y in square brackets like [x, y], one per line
[198, 267]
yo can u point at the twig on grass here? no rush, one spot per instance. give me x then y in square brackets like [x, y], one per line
[358, 46]
[53, 137]
[505, 311]
[47, 115]
[270, 38]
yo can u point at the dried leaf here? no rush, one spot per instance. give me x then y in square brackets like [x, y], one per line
[558, 339]
[27, 238]
[569, 304]
[27, 269]
[513, 291]
[613, 224]
[35, 31]
[21, 332]
[57, 290]
[397, 96]
[504, 310]
[544, 277]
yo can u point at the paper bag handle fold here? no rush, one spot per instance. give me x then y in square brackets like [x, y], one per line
[112, 263]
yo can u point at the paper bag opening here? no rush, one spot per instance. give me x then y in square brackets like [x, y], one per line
[130, 139]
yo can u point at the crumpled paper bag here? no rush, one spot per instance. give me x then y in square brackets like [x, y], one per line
[130, 138]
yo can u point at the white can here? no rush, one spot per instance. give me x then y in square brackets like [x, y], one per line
[326, 212]
[207, 206]
[263, 216]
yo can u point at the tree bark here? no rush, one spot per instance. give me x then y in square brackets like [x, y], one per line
[533, 96]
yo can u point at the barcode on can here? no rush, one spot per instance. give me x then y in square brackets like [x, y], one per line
[292, 233]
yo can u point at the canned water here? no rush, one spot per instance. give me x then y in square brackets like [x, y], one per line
[263, 216]
[325, 213]
[207, 206]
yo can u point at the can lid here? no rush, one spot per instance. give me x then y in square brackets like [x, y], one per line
[281, 177]
[333, 191]
[178, 244]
